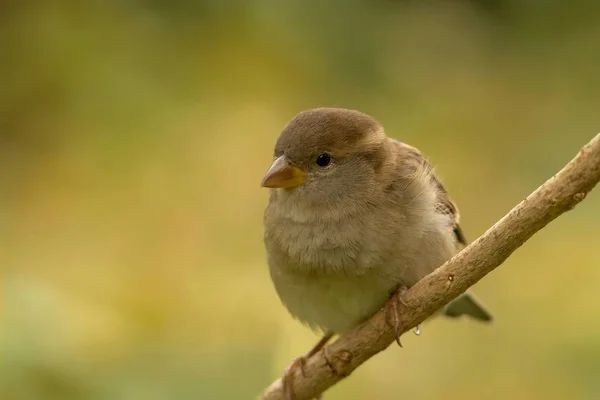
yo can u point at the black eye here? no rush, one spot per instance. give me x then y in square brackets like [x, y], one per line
[323, 160]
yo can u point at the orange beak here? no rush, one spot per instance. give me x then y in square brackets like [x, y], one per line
[283, 175]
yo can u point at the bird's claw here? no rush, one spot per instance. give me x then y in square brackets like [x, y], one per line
[287, 380]
[398, 297]
[288, 377]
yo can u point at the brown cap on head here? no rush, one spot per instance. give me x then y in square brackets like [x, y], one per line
[332, 129]
[336, 131]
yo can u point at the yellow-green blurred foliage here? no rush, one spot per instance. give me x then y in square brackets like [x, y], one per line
[133, 137]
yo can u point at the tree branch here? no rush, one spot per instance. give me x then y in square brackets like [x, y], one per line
[557, 195]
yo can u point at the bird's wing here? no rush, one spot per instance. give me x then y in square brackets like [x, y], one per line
[467, 303]
[444, 204]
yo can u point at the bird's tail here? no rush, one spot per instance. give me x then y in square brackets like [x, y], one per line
[467, 304]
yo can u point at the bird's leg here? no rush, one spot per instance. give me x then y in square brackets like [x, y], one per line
[397, 297]
[300, 362]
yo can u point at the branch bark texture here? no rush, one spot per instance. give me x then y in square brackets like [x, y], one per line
[557, 195]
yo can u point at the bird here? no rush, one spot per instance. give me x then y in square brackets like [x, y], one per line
[353, 217]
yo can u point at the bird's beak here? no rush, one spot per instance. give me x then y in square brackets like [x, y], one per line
[283, 175]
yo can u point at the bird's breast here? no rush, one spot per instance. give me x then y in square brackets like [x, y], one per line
[318, 244]
[349, 237]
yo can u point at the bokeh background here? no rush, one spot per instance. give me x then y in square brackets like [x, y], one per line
[134, 135]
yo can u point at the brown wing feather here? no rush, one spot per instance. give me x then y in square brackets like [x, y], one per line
[444, 205]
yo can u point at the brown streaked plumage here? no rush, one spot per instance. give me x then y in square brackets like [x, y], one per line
[353, 215]
[444, 204]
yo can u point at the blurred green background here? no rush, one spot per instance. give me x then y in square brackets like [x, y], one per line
[134, 135]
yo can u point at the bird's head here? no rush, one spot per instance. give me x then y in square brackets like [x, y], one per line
[327, 155]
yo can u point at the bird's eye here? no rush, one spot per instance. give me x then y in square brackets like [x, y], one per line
[323, 160]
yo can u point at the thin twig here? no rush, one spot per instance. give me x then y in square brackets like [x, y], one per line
[559, 194]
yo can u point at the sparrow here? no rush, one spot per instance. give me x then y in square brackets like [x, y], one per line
[353, 216]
